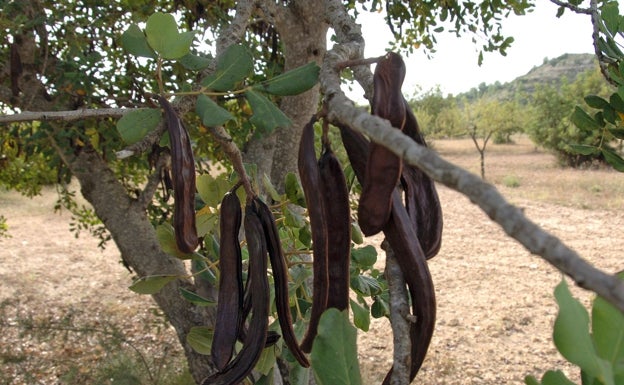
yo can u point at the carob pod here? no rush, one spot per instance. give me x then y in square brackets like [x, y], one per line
[408, 252]
[230, 300]
[421, 197]
[383, 167]
[311, 181]
[183, 170]
[336, 202]
[248, 356]
[280, 280]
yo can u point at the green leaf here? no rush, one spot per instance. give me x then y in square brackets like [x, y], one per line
[617, 132]
[151, 284]
[292, 82]
[211, 113]
[530, 380]
[233, 66]
[380, 308]
[196, 299]
[266, 116]
[206, 222]
[292, 218]
[616, 101]
[582, 120]
[211, 190]
[334, 352]
[596, 101]
[134, 125]
[608, 332]
[613, 159]
[270, 189]
[163, 36]
[194, 63]
[584, 149]
[365, 285]
[365, 256]
[293, 189]
[200, 339]
[361, 316]
[266, 362]
[572, 338]
[611, 17]
[134, 42]
[166, 237]
[356, 233]
[556, 378]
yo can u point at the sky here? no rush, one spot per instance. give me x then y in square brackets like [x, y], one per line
[454, 66]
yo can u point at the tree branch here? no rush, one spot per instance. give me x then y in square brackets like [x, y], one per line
[510, 218]
[66, 116]
[572, 7]
[399, 319]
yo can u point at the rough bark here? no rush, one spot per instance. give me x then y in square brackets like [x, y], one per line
[303, 34]
[135, 237]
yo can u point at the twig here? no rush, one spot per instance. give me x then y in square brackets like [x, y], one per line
[233, 153]
[574, 8]
[510, 218]
[67, 116]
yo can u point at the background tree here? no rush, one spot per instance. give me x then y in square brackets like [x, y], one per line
[62, 64]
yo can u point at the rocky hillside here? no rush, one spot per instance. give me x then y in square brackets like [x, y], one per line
[551, 71]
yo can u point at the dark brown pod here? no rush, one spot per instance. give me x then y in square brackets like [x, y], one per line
[421, 197]
[280, 279]
[310, 181]
[256, 338]
[404, 242]
[230, 299]
[336, 202]
[383, 167]
[183, 170]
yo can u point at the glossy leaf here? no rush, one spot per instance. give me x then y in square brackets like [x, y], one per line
[200, 339]
[292, 82]
[211, 190]
[361, 316]
[611, 17]
[616, 102]
[608, 332]
[151, 284]
[194, 63]
[615, 160]
[582, 120]
[356, 233]
[233, 66]
[334, 352]
[617, 132]
[134, 42]
[380, 308]
[293, 189]
[162, 35]
[266, 116]
[196, 299]
[596, 101]
[166, 238]
[134, 125]
[365, 285]
[211, 113]
[584, 149]
[365, 256]
[572, 338]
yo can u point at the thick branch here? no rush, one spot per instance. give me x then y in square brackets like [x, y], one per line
[66, 116]
[510, 218]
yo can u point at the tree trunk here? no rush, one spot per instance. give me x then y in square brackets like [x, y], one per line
[134, 235]
[303, 33]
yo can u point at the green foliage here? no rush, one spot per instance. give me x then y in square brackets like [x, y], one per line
[557, 124]
[334, 352]
[417, 22]
[606, 124]
[596, 347]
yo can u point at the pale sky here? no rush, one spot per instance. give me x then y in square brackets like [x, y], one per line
[454, 66]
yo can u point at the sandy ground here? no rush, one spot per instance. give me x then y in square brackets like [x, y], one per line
[495, 302]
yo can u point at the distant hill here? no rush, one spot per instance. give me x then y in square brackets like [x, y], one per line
[551, 71]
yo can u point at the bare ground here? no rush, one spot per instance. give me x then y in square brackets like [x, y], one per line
[495, 302]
